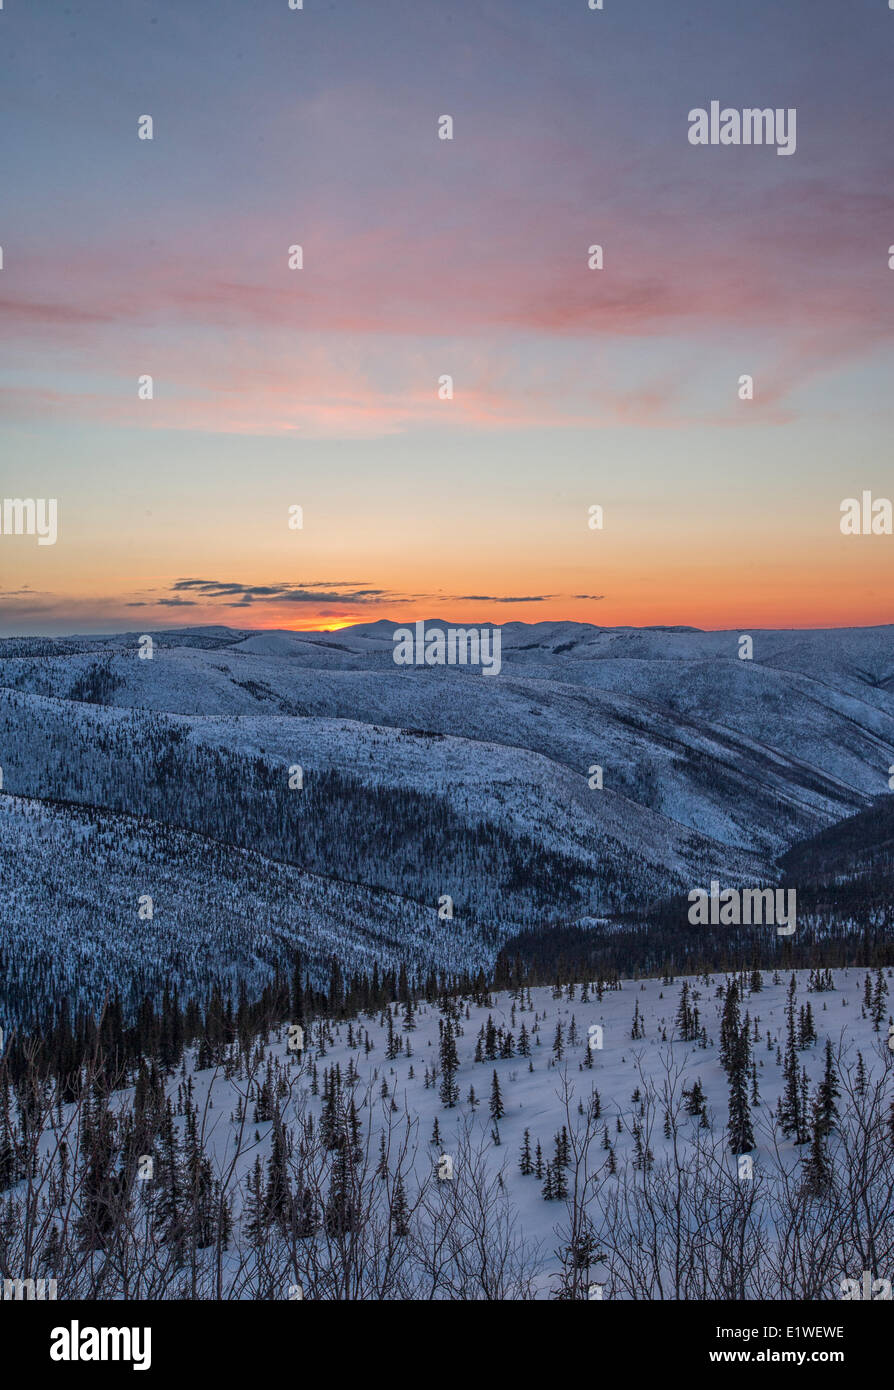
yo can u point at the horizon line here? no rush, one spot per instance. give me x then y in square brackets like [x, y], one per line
[440, 622]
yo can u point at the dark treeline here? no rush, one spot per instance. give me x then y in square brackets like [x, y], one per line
[115, 1047]
[668, 945]
[564, 956]
[861, 843]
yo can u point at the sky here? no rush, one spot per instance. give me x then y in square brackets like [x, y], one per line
[425, 258]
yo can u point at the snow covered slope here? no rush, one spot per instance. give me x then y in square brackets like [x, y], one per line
[424, 782]
[73, 882]
[669, 1209]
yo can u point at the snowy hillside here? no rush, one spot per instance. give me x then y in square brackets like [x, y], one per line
[754, 753]
[72, 882]
[418, 784]
[571, 1119]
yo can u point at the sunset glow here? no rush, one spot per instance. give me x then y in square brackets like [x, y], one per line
[422, 260]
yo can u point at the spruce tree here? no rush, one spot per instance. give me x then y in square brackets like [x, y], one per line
[254, 1216]
[400, 1212]
[827, 1095]
[878, 1000]
[695, 1098]
[449, 1089]
[497, 1110]
[791, 1115]
[817, 1168]
[735, 1058]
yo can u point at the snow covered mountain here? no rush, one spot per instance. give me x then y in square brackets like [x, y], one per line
[342, 798]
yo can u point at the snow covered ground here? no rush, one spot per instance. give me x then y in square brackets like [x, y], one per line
[635, 1081]
[416, 782]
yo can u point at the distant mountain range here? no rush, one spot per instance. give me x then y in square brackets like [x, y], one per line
[170, 778]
